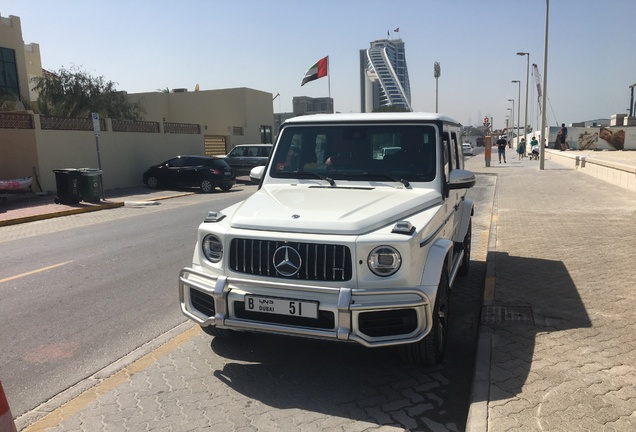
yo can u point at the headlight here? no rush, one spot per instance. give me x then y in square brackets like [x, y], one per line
[384, 260]
[212, 248]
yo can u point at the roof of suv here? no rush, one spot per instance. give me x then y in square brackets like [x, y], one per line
[366, 117]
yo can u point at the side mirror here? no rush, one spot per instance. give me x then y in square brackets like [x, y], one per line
[461, 179]
[257, 174]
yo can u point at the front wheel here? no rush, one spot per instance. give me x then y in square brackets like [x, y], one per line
[153, 182]
[430, 350]
[206, 186]
[225, 187]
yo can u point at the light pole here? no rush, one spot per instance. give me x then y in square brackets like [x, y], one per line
[545, 90]
[525, 121]
[437, 72]
[513, 121]
[518, 107]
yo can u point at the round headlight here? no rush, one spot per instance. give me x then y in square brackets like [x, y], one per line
[384, 260]
[212, 248]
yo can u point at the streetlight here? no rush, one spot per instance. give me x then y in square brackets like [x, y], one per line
[437, 72]
[518, 107]
[525, 122]
[545, 89]
[513, 121]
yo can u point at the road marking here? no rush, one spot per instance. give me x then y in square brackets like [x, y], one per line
[34, 272]
[72, 407]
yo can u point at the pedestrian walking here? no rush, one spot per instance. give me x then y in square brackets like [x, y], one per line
[562, 137]
[501, 147]
[521, 148]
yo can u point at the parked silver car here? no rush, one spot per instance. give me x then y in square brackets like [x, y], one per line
[244, 157]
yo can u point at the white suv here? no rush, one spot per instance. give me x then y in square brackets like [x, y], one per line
[338, 243]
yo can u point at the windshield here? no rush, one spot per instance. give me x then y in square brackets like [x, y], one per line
[356, 152]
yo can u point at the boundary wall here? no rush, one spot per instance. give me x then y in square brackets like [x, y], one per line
[28, 150]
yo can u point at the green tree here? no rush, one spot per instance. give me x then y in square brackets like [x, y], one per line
[75, 93]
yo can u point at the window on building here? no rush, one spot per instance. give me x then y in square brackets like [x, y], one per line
[237, 130]
[8, 73]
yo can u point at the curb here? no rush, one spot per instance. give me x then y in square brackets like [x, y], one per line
[477, 420]
[73, 399]
[34, 218]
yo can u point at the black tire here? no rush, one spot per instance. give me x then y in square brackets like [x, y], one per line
[466, 246]
[206, 186]
[153, 182]
[225, 187]
[430, 350]
[219, 332]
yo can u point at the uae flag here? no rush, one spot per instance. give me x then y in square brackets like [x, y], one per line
[318, 70]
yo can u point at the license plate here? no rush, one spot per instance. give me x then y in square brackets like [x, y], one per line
[280, 306]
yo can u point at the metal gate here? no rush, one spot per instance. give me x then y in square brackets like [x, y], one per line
[215, 145]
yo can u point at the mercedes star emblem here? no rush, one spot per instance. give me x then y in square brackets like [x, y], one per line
[287, 261]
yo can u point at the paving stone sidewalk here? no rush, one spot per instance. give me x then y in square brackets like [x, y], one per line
[561, 323]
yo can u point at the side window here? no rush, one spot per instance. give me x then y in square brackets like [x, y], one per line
[447, 156]
[176, 162]
[194, 162]
[238, 152]
[456, 151]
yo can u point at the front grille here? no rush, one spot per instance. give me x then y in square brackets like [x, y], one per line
[325, 321]
[316, 262]
[388, 323]
[202, 302]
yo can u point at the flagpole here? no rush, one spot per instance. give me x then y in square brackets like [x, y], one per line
[329, 79]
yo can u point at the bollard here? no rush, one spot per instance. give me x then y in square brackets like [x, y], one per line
[582, 161]
[6, 419]
[487, 149]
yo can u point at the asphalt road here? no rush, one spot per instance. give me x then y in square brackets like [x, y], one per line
[109, 286]
[80, 292]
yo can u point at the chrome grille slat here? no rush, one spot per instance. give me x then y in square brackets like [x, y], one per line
[320, 262]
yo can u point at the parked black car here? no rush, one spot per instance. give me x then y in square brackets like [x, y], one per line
[244, 157]
[194, 171]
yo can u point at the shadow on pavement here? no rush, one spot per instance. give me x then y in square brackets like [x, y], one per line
[532, 296]
[353, 382]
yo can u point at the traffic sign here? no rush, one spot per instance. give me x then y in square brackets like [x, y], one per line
[96, 123]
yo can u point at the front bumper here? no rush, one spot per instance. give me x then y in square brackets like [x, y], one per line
[372, 318]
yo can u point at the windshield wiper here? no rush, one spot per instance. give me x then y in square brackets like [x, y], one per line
[405, 182]
[305, 174]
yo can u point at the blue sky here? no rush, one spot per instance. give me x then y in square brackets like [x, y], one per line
[268, 45]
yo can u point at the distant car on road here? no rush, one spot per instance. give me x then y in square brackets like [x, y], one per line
[203, 172]
[467, 149]
[479, 142]
[244, 157]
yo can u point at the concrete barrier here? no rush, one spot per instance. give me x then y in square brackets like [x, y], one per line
[615, 167]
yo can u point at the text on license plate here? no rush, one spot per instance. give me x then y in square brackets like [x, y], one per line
[280, 306]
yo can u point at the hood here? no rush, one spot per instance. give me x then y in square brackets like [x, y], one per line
[329, 210]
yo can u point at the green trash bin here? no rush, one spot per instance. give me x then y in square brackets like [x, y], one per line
[91, 185]
[67, 181]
